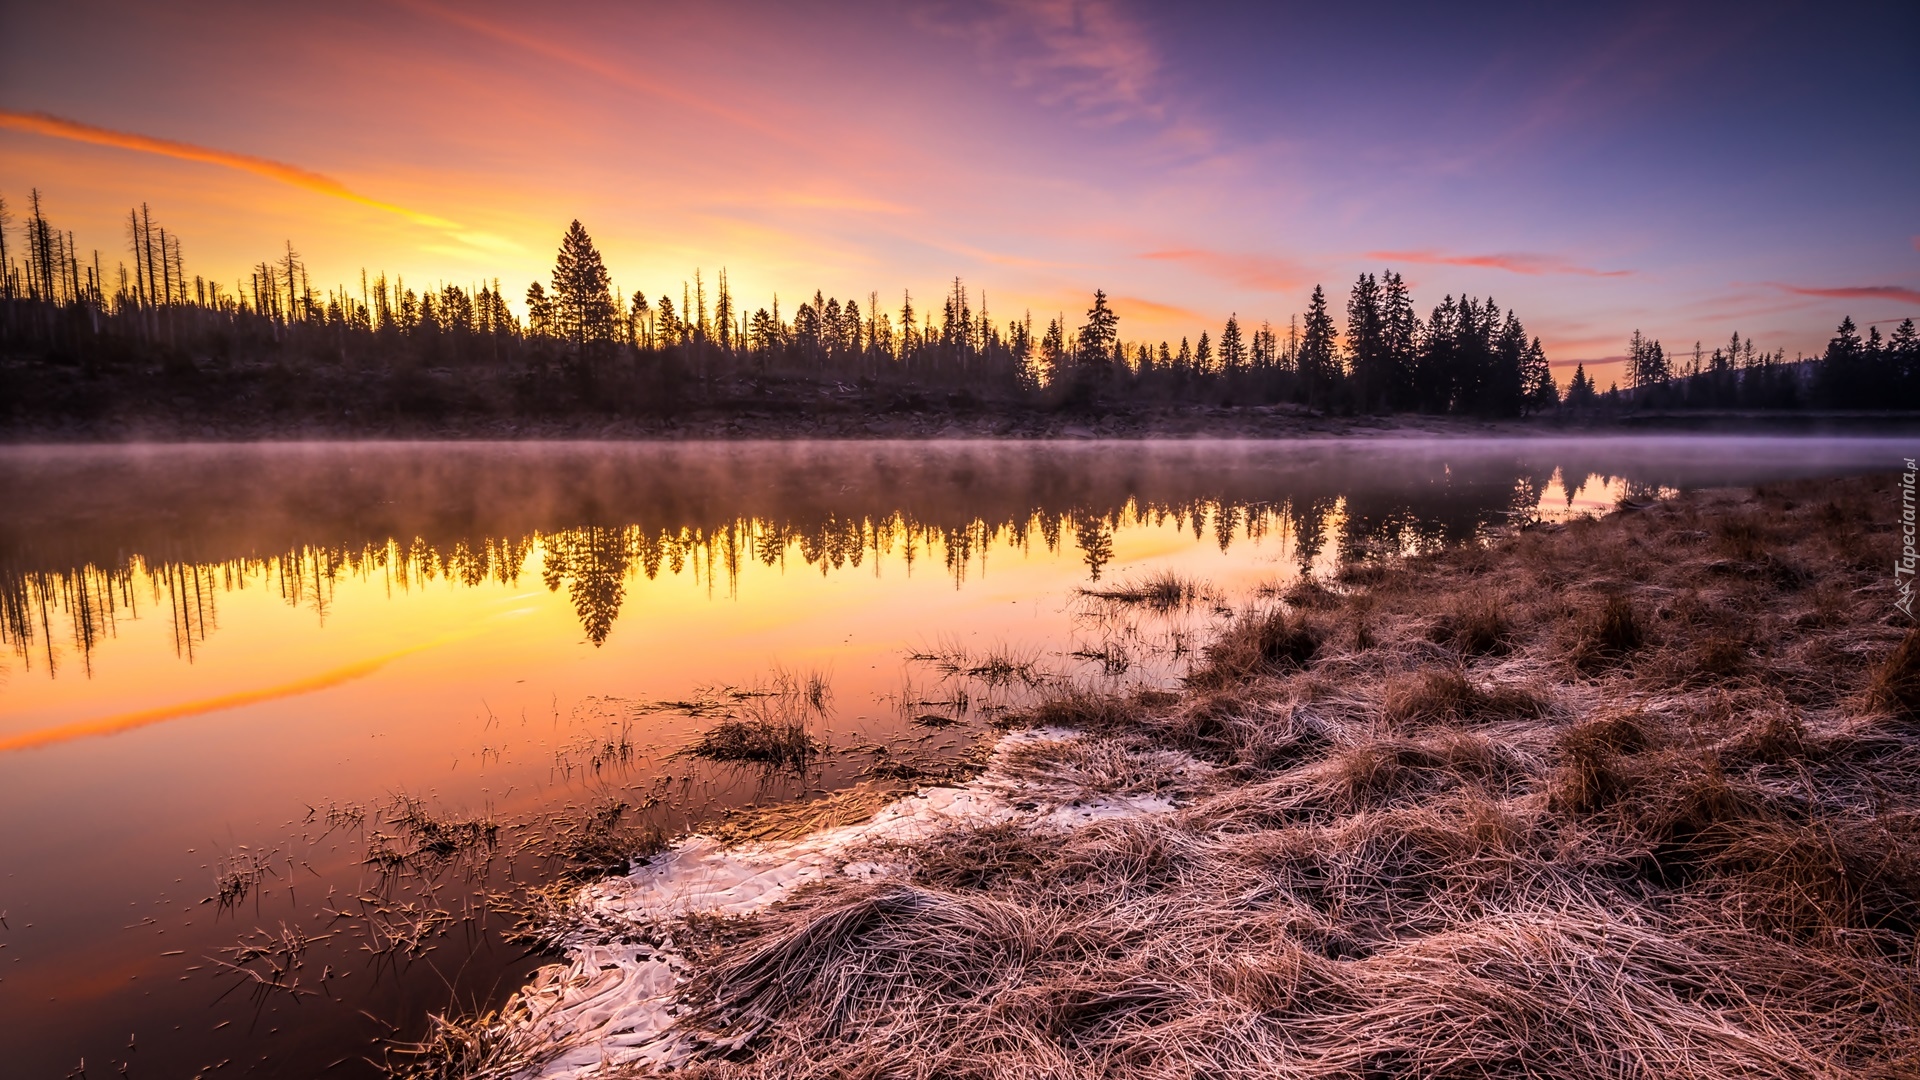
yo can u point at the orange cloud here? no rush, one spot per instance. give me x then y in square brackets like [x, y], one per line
[59, 128]
[1857, 292]
[1154, 312]
[113, 725]
[1261, 272]
[1592, 361]
[1514, 263]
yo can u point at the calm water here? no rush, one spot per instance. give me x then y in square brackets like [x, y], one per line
[267, 667]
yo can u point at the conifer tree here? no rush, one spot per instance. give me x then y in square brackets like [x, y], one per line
[1319, 367]
[1097, 337]
[539, 311]
[1053, 350]
[1233, 350]
[583, 308]
[1366, 340]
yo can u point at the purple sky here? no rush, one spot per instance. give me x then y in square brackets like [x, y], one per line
[1687, 170]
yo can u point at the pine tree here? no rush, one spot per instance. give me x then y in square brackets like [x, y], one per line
[1097, 337]
[583, 308]
[1233, 350]
[539, 311]
[1366, 343]
[1537, 379]
[1319, 367]
[1053, 350]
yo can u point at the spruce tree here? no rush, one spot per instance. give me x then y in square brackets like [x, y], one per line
[1399, 341]
[1366, 341]
[1099, 333]
[1233, 350]
[1319, 368]
[1580, 392]
[539, 311]
[583, 308]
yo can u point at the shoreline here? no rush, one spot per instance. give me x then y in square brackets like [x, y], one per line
[1022, 425]
[1627, 796]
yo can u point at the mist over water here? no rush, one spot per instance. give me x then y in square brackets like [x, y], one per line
[284, 666]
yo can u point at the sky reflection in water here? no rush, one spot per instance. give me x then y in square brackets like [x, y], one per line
[206, 648]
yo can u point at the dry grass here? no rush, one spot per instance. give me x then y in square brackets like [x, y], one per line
[775, 739]
[1477, 627]
[1258, 643]
[1163, 591]
[1572, 836]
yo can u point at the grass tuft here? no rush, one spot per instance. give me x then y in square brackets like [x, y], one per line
[1896, 685]
[1257, 643]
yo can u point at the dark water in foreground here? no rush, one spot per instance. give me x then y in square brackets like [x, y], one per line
[350, 686]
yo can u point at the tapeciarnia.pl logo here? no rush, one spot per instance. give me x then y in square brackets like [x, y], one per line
[1904, 568]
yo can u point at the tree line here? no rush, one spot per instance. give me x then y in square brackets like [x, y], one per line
[586, 344]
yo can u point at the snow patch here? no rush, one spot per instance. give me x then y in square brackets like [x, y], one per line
[614, 1004]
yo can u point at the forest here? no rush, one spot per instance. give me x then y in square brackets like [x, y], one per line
[82, 345]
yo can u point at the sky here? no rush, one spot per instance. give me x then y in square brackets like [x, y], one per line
[1687, 170]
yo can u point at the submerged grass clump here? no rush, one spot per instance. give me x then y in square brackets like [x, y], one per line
[1162, 591]
[1587, 852]
[771, 726]
[765, 739]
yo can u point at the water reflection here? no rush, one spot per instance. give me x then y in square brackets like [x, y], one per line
[374, 652]
[93, 538]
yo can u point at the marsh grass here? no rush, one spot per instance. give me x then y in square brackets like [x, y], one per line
[1610, 635]
[1551, 842]
[1896, 685]
[769, 737]
[998, 666]
[1601, 850]
[771, 726]
[604, 837]
[1259, 641]
[1479, 626]
[238, 874]
[1159, 591]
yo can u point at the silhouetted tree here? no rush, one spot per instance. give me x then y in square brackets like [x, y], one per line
[583, 308]
[1580, 392]
[1098, 335]
[1318, 364]
[539, 311]
[1367, 345]
[1233, 350]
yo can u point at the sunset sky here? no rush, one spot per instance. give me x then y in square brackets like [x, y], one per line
[1687, 170]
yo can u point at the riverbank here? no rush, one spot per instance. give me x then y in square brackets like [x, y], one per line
[1128, 422]
[1633, 796]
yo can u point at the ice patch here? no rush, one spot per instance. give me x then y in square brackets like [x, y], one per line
[614, 1004]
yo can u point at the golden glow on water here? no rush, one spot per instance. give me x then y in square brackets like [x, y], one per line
[122, 650]
[204, 648]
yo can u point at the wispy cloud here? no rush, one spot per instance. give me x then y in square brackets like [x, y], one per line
[1512, 262]
[1088, 56]
[1154, 311]
[623, 74]
[1591, 361]
[60, 128]
[1855, 292]
[1265, 273]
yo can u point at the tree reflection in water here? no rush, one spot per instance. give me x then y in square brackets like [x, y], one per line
[93, 537]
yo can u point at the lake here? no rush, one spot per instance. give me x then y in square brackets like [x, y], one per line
[286, 730]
